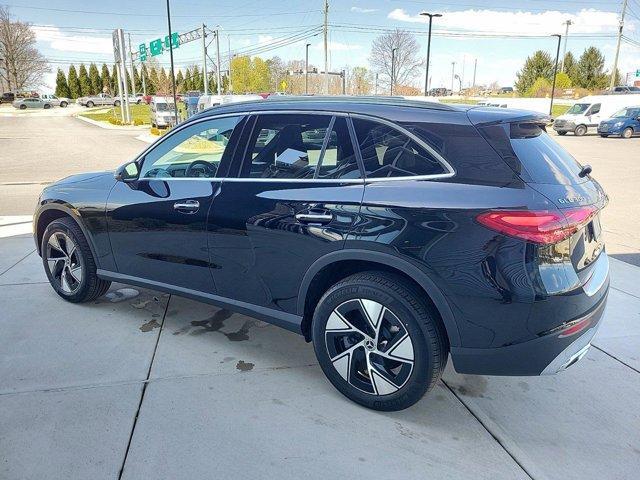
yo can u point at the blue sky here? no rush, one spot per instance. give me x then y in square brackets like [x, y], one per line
[74, 31]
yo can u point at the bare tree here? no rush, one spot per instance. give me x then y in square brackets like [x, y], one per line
[407, 63]
[21, 65]
[360, 81]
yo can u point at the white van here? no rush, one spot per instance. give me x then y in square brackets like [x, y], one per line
[208, 101]
[162, 111]
[587, 113]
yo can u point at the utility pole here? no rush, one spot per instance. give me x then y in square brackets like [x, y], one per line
[566, 38]
[453, 74]
[376, 87]
[133, 78]
[204, 60]
[555, 71]
[218, 78]
[464, 63]
[173, 74]
[426, 76]
[344, 82]
[143, 74]
[475, 67]
[326, 48]
[615, 61]
[229, 53]
[393, 70]
[306, 69]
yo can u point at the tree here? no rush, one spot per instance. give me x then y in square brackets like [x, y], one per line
[153, 80]
[22, 65]
[259, 75]
[590, 70]
[188, 83]
[106, 78]
[406, 65]
[74, 83]
[569, 66]
[94, 79]
[250, 75]
[563, 80]
[360, 81]
[213, 85]
[62, 87]
[197, 81]
[83, 77]
[114, 80]
[540, 88]
[539, 65]
[180, 81]
[277, 72]
[137, 82]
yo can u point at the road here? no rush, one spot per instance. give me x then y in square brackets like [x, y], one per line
[37, 150]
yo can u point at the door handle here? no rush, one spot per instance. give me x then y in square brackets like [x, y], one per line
[321, 217]
[188, 206]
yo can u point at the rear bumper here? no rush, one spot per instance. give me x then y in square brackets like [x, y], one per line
[544, 355]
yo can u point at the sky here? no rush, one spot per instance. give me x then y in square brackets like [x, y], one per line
[496, 33]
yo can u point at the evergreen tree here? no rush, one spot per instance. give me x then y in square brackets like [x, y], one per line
[213, 86]
[188, 81]
[137, 82]
[569, 66]
[145, 73]
[74, 83]
[94, 79]
[114, 81]
[180, 81]
[85, 83]
[129, 89]
[106, 78]
[590, 70]
[62, 87]
[153, 81]
[539, 65]
[197, 82]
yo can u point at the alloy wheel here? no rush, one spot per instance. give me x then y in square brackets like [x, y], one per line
[63, 261]
[369, 346]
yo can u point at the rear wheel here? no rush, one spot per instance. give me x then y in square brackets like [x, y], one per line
[580, 130]
[562, 133]
[23, 107]
[90, 104]
[604, 135]
[69, 263]
[47, 106]
[377, 340]
[627, 132]
[63, 104]
[116, 103]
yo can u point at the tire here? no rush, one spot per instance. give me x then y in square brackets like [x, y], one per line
[116, 103]
[604, 135]
[23, 107]
[69, 263]
[562, 133]
[63, 104]
[47, 106]
[627, 133]
[90, 104]
[580, 130]
[409, 334]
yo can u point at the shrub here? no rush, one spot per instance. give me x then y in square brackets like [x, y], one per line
[115, 121]
[540, 88]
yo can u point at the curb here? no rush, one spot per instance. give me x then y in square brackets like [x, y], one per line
[109, 126]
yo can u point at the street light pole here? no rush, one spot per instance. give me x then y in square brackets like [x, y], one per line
[306, 70]
[453, 74]
[555, 71]
[566, 38]
[173, 76]
[426, 76]
[393, 69]
[615, 61]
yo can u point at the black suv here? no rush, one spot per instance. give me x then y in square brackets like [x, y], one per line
[390, 233]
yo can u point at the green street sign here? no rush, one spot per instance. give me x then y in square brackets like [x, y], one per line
[158, 46]
[638, 73]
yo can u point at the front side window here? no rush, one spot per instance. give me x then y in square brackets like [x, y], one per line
[578, 109]
[300, 146]
[594, 109]
[195, 151]
[387, 152]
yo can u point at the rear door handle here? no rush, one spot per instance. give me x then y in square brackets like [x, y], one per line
[321, 217]
[188, 206]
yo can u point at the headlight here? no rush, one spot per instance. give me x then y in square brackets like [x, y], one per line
[618, 124]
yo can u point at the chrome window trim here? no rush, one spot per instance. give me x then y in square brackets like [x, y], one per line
[451, 171]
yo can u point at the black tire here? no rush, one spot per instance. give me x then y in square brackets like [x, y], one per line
[90, 104]
[23, 107]
[406, 314]
[47, 106]
[580, 130]
[562, 133]
[627, 133]
[116, 103]
[63, 104]
[604, 135]
[89, 286]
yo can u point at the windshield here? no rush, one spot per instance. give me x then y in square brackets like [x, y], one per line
[627, 112]
[164, 107]
[578, 108]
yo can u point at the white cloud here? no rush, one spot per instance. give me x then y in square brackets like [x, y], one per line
[521, 22]
[338, 47]
[363, 10]
[58, 40]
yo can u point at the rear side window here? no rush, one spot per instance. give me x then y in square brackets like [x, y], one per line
[387, 152]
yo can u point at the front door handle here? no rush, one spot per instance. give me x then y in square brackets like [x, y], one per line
[188, 206]
[312, 216]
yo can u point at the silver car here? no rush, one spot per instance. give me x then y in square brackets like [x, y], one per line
[24, 103]
[100, 99]
[55, 100]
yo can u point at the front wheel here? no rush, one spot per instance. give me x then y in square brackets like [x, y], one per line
[90, 104]
[604, 135]
[116, 103]
[23, 107]
[627, 132]
[562, 133]
[63, 104]
[580, 130]
[69, 263]
[47, 106]
[378, 341]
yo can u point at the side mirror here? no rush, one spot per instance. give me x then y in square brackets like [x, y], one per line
[127, 172]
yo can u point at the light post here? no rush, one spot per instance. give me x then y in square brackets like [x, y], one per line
[393, 69]
[453, 73]
[173, 77]
[555, 71]
[426, 76]
[306, 70]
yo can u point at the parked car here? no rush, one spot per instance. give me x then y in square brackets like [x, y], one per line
[96, 100]
[624, 89]
[506, 90]
[412, 231]
[55, 100]
[587, 113]
[162, 111]
[7, 97]
[624, 123]
[24, 103]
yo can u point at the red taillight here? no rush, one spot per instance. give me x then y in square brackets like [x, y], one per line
[539, 226]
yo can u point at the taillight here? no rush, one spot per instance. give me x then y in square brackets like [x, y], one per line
[538, 226]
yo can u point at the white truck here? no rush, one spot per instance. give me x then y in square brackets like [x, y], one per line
[587, 113]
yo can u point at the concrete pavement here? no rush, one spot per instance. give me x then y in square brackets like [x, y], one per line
[141, 384]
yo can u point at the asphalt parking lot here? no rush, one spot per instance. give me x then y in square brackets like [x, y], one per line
[141, 384]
